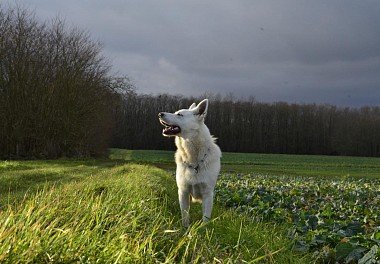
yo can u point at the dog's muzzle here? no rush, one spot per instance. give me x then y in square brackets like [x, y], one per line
[169, 130]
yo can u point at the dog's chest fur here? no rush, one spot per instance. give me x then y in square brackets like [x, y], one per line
[189, 151]
[197, 159]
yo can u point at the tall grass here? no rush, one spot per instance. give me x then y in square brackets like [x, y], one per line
[126, 213]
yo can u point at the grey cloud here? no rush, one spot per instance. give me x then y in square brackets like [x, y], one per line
[296, 51]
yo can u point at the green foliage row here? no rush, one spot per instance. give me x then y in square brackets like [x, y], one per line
[337, 219]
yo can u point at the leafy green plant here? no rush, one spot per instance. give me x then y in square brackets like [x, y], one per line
[336, 219]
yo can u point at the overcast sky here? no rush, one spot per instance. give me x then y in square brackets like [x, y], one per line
[323, 51]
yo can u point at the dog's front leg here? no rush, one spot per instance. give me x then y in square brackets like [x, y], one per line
[184, 203]
[207, 201]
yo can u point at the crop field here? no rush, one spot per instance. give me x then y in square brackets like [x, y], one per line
[124, 209]
[336, 219]
[272, 164]
[331, 203]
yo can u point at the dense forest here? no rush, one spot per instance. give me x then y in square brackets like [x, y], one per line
[56, 92]
[250, 126]
[58, 98]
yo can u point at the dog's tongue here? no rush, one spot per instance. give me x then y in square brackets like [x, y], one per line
[172, 130]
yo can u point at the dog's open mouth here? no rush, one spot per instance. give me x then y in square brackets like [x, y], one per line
[170, 130]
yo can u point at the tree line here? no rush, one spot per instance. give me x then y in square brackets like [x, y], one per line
[250, 126]
[59, 99]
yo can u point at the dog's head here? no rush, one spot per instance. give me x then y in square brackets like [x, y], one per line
[183, 121]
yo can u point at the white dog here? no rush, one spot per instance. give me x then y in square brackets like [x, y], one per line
[197, 157]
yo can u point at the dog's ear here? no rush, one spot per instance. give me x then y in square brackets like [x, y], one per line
[192, 106]
[201, 108]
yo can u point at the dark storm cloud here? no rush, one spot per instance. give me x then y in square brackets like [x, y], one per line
[296, 51]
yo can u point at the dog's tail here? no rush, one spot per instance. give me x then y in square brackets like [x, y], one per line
[194, 198]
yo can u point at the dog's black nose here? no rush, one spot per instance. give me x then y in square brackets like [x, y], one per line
[161, 114]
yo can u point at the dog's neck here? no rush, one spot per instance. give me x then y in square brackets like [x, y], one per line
[192, 149]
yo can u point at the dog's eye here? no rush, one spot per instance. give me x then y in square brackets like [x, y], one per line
[178, 114]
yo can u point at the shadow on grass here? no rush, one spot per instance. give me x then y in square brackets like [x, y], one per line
[21, 179]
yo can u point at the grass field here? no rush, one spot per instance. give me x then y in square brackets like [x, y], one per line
[273, 164]
[125, 210]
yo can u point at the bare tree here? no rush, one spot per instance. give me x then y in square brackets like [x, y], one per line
[55, 89]
[250, 126]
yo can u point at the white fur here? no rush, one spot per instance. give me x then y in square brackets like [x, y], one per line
[197, 158]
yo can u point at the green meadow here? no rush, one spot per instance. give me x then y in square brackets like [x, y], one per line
[273, 164]
[123, 209]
